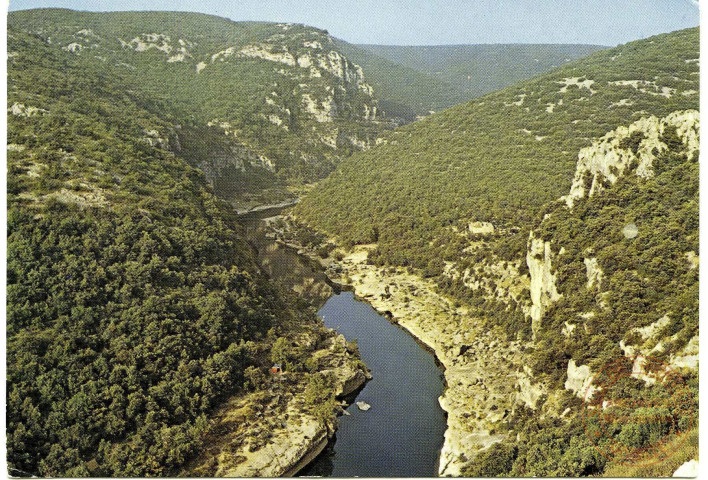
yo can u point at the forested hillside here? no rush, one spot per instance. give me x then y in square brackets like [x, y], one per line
[561, 214]
[257, 106]
[613, 281]
[499, 158]
[452, 74]
[134, 305]
[263, 108]
[404, 91]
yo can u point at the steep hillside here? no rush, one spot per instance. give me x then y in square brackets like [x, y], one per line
[470, 71]
[559, 220]
[599, 311]
[403, 91]
[613, 279]
[134, 305]
[255, 105]
[497, 159]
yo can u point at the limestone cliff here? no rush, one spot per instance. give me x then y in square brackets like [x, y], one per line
[616, 260]
[629, 150]
[288, 104]
[543, 281]
[624, 151]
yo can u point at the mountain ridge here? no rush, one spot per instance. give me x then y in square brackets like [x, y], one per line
[277, 102]
[472, 70]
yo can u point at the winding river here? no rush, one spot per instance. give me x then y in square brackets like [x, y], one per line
[401, 435]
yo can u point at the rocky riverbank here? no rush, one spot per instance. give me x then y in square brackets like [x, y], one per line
[276, 432]
[483, 373]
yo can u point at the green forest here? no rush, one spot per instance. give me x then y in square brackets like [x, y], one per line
[247, 121]
[446, 75]
[499, 158]
[134, 303]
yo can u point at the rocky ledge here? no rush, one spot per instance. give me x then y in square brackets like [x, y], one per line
[275, 432]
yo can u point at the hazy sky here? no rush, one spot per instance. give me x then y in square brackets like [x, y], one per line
[428, 22]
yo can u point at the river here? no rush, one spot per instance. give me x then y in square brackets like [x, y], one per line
[401, 435]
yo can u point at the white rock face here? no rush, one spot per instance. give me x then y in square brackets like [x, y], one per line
[483, 228]
[687, 470]
[14, 147]
[21, 110]
[693, 259]
[147, 41]
[521, 97]
[579, 379]
[529, 392]
[223, 55]
[647, 87]
[575, 81]
[594, 273]
[359, 144]
[73, 47]
[154, 139]
[687, 357]
[265, 52]
[322, 112]
[330, 138]
[543, 281]
[568, 328]
[651, 330]
[605, 161]
[180, 57]
[314, 44]
[201, 66]
[336, 64]
[304, 61]
[86, 32]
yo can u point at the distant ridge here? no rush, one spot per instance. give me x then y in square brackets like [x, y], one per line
[476, 69]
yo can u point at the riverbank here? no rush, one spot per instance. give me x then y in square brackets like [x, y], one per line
[484, 376]
[276, 432]
[484, 373]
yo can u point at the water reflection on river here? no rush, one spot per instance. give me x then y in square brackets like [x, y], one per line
[401, 435]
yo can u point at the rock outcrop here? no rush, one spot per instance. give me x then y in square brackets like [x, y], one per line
[543, 281]
[630, 148]
[623, 151]
[578, 379]
[276, 433]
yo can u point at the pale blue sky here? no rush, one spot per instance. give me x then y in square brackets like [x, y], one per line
[429, 22]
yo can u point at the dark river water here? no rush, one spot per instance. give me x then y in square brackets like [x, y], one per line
[401, 435]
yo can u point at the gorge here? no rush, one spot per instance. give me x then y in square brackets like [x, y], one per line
[254, 249]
